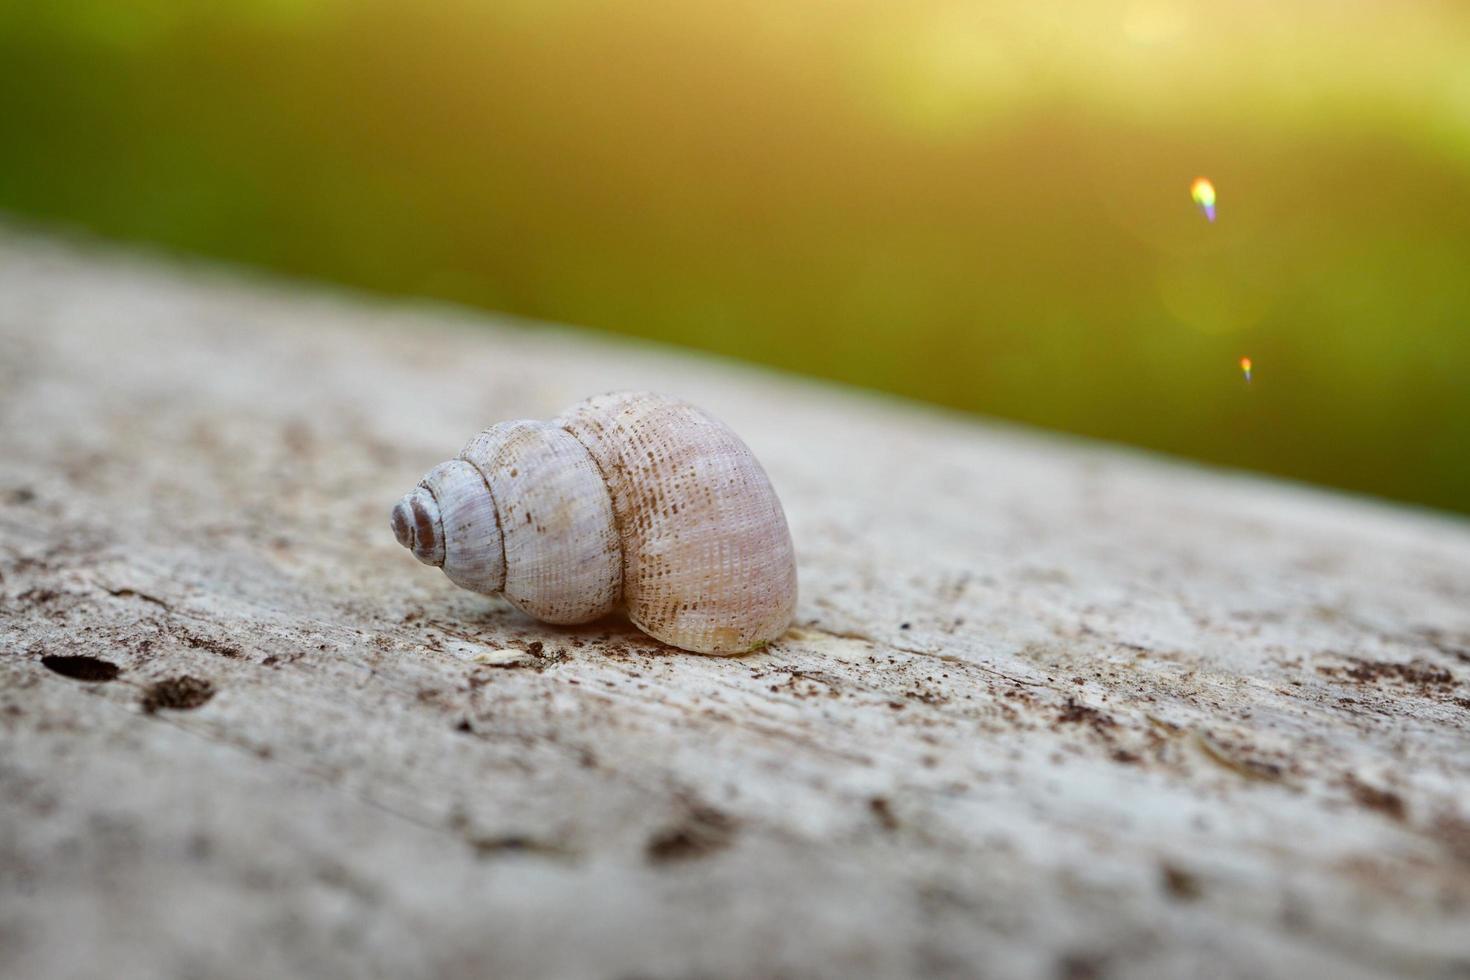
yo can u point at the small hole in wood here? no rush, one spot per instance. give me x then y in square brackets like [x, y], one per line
[81, 667]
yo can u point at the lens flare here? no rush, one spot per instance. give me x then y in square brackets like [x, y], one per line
[1245, 368]
[1203, 193]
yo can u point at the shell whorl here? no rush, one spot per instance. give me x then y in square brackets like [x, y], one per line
[631, 497]
[418, 527]
[563, 561]
[708, 561]
[473, 553]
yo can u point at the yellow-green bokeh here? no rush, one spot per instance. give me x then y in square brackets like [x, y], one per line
[985, 205]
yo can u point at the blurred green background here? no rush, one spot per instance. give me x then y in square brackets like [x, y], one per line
[983, 205]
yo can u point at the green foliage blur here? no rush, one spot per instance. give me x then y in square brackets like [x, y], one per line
[980, 204]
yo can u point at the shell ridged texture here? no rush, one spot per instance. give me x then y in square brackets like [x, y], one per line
[708, 562]
[562, 559]
[470, 553]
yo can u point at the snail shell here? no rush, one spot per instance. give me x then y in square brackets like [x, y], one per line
[631, 499]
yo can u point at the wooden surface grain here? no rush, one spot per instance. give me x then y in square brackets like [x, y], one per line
[1051, 708]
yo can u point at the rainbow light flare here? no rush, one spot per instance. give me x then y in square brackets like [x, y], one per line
[1203, 193]
[1245, 367]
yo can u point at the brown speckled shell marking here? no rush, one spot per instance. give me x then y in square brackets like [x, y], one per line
[630, 498]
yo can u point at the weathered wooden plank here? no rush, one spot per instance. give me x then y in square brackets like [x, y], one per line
[1051, 708]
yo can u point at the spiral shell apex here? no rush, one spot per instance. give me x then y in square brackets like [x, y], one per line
[629, 499]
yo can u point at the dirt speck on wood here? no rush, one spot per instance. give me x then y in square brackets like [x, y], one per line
[699, 832]
[176, 694]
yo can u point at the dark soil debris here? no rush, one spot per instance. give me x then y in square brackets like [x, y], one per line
[81, 667]
[539, 658]
[883, 813]
[545, 659]
[1422, 674]
[1384, 801]
[703, 831]
[183, 693]
[135, 594]
[1180, 884]
[1076, 713]
[218, 647]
